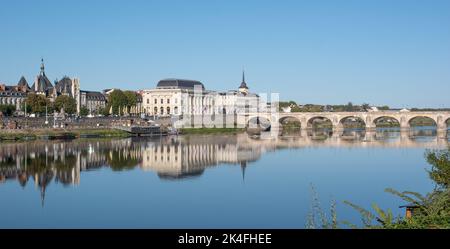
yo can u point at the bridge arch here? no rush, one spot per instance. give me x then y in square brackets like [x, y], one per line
[385, 121]
[259, 122]
[319, 122]
[352, 121]
[290, 121]
[422, 120]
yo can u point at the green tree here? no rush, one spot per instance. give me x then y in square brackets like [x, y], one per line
[310, 108]
[84, 111]
[7, 110]
[67, 103]
[37, 103]
[440, 168]
[104, 111]
[296, 109]
[22, 107]
[117, 99]
[365, 106]
[349, 107]
[121, 161]
[131, 98]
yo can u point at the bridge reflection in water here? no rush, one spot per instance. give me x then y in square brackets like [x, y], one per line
[180, 157]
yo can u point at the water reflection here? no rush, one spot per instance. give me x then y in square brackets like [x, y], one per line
[182, 157]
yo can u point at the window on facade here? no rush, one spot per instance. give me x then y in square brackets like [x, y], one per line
[155, 110]
[175, 110]
[162, 101]
[168, 101]
[161, 110]
[148, 101]
[156, 101]
[176, 101]
[168, 110]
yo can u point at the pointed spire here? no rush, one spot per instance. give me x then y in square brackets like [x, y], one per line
[42, 66]
[243, 87]
[243, 167]
[42, 195]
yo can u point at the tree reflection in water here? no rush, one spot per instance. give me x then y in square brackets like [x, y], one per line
[172, 158]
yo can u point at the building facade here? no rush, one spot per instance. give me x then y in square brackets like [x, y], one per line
[93, 101]
[178, 97]
[14, 95]
[17, 94]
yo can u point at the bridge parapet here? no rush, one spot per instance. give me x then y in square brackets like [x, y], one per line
[403, 118]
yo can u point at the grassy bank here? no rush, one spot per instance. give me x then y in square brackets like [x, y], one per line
[59, 134]
[211, 130]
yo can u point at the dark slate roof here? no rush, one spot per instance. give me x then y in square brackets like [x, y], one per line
[179, 84]
[43, 84]
[23, 82]
[64, 85]
[11, 91]
[243, 85]
[9, 88]
[91, 95]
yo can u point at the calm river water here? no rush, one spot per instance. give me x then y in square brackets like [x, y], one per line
[207, 181]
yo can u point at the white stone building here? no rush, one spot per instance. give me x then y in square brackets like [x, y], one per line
[178, 97]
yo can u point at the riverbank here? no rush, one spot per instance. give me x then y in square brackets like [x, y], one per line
[49, 134]
[186, 131]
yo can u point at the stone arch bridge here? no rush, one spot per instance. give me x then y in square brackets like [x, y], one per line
[337, 118]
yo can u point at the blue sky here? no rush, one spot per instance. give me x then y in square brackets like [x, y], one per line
[326, 52]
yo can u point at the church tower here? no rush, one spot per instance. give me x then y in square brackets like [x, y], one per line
[243, 87]
[41, 84]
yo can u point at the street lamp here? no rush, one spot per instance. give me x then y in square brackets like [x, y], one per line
[26, 120]
[46, 115]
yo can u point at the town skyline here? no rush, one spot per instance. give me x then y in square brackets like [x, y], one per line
[31, 80]
[379, 52]
[211, 115]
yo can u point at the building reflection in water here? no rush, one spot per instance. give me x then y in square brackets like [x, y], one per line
[181, 157]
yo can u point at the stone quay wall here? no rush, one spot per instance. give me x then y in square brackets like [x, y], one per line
[69, 123]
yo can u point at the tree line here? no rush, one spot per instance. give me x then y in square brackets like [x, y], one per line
[39, 104]
[349, 107]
